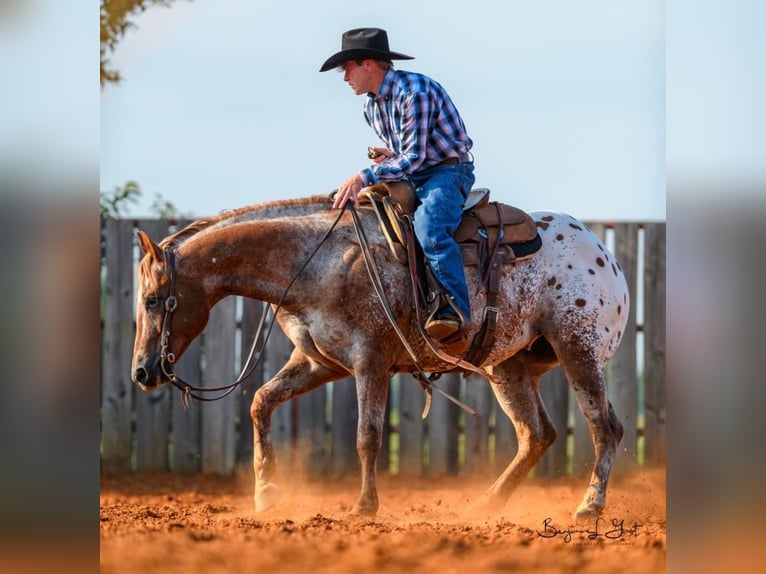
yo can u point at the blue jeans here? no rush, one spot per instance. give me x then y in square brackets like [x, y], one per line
[442, 191]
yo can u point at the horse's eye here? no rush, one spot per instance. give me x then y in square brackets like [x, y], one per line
[150, 302]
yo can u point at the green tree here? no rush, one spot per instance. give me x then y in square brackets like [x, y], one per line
[116, 202]
[117, 17]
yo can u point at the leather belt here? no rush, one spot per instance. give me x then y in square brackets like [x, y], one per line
[464, 158]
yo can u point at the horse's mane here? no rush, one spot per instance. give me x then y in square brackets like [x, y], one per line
[270, 209]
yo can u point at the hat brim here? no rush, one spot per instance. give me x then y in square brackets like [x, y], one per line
[360, 54]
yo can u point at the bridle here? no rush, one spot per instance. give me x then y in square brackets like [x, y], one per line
[188, 391]
[168, 359]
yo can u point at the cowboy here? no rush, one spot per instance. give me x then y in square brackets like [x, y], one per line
[425, 142]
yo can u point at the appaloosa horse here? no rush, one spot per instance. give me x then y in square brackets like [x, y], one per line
[567, 305]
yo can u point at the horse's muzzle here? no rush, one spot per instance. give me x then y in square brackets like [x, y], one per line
[144, 380]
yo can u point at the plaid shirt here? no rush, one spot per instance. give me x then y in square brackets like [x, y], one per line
[416, 119]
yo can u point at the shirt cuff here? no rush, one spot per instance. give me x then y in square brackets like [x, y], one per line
[368, 177]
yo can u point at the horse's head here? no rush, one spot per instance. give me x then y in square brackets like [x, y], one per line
[170, 312]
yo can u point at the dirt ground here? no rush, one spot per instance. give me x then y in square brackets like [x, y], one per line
[171, 523]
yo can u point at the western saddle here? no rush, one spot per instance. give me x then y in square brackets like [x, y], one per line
[490, 235]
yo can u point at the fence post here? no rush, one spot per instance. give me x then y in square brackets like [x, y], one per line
[411, 403]
[477, 395]
[311, 435]
[153, 407]
[117, 389]
[444, 428]
[623, 382]
[654, 343]
[554, 389]
[187, 422]
[251, 316]
[345, 417]
[218, 424]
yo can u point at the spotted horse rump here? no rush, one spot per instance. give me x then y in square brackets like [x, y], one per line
[567, 306]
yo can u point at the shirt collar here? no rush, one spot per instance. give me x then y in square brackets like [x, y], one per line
[386, 86]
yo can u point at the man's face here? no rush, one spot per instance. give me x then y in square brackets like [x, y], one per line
[360, 77]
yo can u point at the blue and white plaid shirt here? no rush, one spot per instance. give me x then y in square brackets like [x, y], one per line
[416, 119]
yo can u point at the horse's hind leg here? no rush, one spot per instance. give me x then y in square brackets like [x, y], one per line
[518, 392]
[298, 376]
[587, 379]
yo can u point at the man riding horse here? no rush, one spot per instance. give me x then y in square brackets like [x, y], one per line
[425, 142]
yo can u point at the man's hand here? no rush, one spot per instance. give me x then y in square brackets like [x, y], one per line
[349, 189]
[379, 154]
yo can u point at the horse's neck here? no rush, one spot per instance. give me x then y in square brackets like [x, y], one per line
[256, 259]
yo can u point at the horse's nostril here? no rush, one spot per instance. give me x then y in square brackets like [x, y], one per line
[140, 375]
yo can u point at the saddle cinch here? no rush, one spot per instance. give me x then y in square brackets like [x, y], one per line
[490, 235]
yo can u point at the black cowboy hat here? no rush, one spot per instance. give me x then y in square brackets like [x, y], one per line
[363, 44]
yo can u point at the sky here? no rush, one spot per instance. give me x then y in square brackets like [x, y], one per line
[222, 104]
[591, 107]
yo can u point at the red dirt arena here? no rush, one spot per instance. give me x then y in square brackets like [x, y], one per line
[161, 523]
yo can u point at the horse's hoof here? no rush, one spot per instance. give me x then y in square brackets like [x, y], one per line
[485, 507]
[364, 510]
[588, 511]
[267, 497]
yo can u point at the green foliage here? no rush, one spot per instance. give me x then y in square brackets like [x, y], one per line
[117, 203]
[114, 203]
[165, 209]
[117, 17]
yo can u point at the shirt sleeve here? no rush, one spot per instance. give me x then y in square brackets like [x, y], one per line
[416, 112]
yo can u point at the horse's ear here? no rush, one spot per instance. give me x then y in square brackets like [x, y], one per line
[149, 247]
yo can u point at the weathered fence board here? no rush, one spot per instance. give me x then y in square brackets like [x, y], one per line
[117, 390]
[345, 417]
[411, 426]
[478, 395]
[153, 409]
[623, 384]
[187, 422]
[654, 343]
[311, 443]
[317, 432]
[444, 428]
[554, 391]
[218, 417]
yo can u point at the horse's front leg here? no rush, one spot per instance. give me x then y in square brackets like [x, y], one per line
[372, 394]
[297, 377]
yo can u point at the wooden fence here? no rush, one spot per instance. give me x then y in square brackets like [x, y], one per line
[316, 432]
